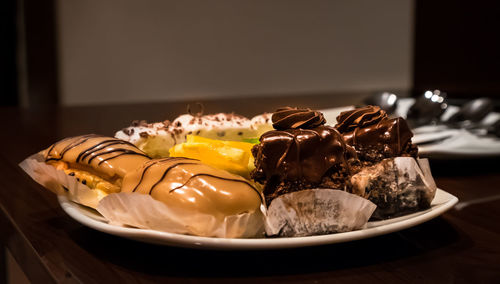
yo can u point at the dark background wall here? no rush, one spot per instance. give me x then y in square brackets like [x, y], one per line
[457, 47]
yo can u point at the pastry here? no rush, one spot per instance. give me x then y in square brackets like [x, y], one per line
[302, 153]
[198, 199]
[374, 135]
[98, 162]
[157, 138]
[304, 166]
[391, 177]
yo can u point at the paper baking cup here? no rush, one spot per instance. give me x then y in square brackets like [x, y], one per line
[143, 211]
[317, 212]
[59, 182]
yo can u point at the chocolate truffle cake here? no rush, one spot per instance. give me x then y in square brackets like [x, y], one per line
[301, 153]
[374, 135]
[391, 177]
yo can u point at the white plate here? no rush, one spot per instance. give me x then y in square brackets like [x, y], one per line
[442, 202]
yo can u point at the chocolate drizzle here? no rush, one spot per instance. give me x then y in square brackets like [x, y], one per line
[214, 176]
[85, 149]
[289, 118]
[165, 174]
[94, 150]
[177, 162]
[80, 140]
[154, 162]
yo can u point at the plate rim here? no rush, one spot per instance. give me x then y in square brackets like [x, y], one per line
[74, 210]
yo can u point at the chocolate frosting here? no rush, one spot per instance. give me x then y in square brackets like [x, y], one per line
[290, 118]
[300, 156]
[374, 135]
[360, 117]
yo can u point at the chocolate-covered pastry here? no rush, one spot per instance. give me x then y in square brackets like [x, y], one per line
[302, 154]
[374, 135]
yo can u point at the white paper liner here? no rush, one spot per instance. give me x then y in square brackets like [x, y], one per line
[397, 185]
[316, 212]
[142, 211]
[59, 182]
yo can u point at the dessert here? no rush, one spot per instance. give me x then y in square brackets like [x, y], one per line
[302, 153]
[397, 186]
[232, 156]
[97, 161]
[157, 138]
[391, 177]
[304, 166]
[196, 199]
[374, 135]
[315, 178]
[85, 168]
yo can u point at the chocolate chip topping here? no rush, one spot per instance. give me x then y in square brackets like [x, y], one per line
[128, 131]
[360, 117]
[139, 123]
[291, 118]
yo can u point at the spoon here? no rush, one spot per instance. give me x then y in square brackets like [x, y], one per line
[471, 113]
[427, 108]
[495, 128]
[385, 100]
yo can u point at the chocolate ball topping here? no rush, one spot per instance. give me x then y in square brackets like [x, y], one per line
[292, 118]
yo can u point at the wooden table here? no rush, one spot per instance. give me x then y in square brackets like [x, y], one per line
[460, 246]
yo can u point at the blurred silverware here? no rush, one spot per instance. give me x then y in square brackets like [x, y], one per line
[427, 108]
[471, 112]
[385, 100]
[494, 129]
[433, 141]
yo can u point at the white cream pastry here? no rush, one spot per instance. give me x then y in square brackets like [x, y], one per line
[157, 138]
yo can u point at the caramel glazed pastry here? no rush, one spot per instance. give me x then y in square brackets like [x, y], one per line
[302, 153]
[97, 161]
[189, 186]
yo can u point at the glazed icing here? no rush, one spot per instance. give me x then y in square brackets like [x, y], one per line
[188, 184]
[109, 157]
